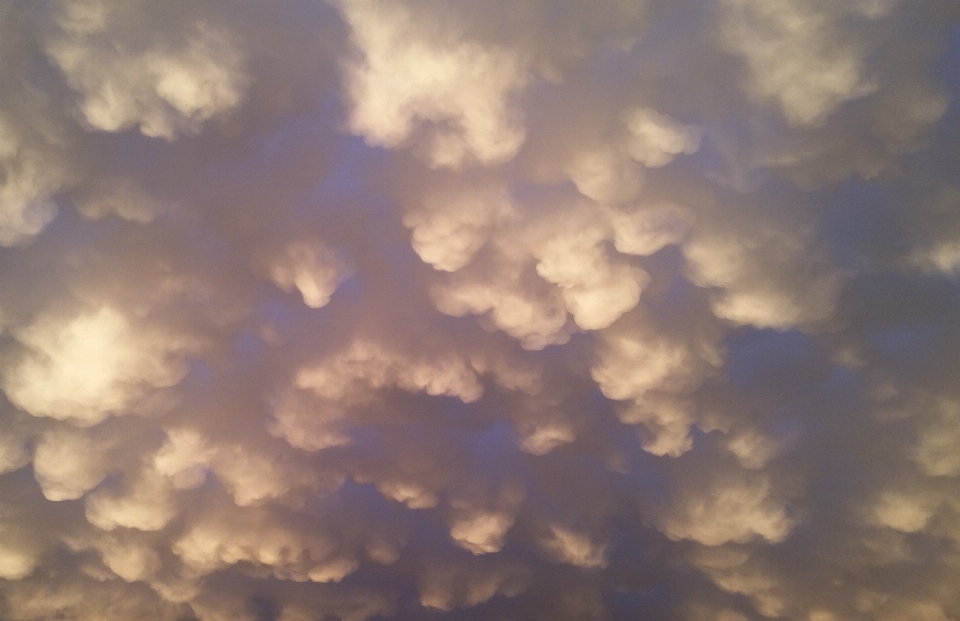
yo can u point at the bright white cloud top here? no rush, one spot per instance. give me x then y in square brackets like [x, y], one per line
[517, 309]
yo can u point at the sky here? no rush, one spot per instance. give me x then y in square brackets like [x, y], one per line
[513, 310]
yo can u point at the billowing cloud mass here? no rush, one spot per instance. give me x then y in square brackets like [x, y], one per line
[528, 310]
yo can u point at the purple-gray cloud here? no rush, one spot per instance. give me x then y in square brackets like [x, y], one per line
[517, 310]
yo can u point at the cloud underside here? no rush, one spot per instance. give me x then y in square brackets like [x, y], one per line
[511, 310]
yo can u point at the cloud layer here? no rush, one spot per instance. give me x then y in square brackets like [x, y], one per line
[505, 310]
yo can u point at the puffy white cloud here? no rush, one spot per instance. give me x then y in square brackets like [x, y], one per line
[647, 230]
[29, 180]
[753, 449]
[253, 478]
[541, 439]
[606, 175]
[82, 597]
[510, 303]
[728, 511]
[129, 559]
[905, 510]
[70, 462]
[311, 269]
[770, 280]
[449, 229]
[459, 585]
[597, 289]
[125, 81]
[655, 139]
[220, 539]
[734, 572]
[411, 72]
[567, 249]
[184, 458]
[482, 533]
[18, 558]
[365, 366]
[14, 450]
[795, 55]
[90, 367]
[146, 505]
[118, 197]
[574, 548]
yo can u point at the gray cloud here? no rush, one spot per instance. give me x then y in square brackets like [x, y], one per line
[512, 310]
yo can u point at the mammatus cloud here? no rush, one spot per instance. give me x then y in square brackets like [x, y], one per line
[506, 310]
[410, 72]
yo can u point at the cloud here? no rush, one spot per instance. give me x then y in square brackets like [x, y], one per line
[89, 368]
[124, 81]
[413, 73]
[512, 310]
[311, 269]
[69, 462]
[796, 57]
[728, 512]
